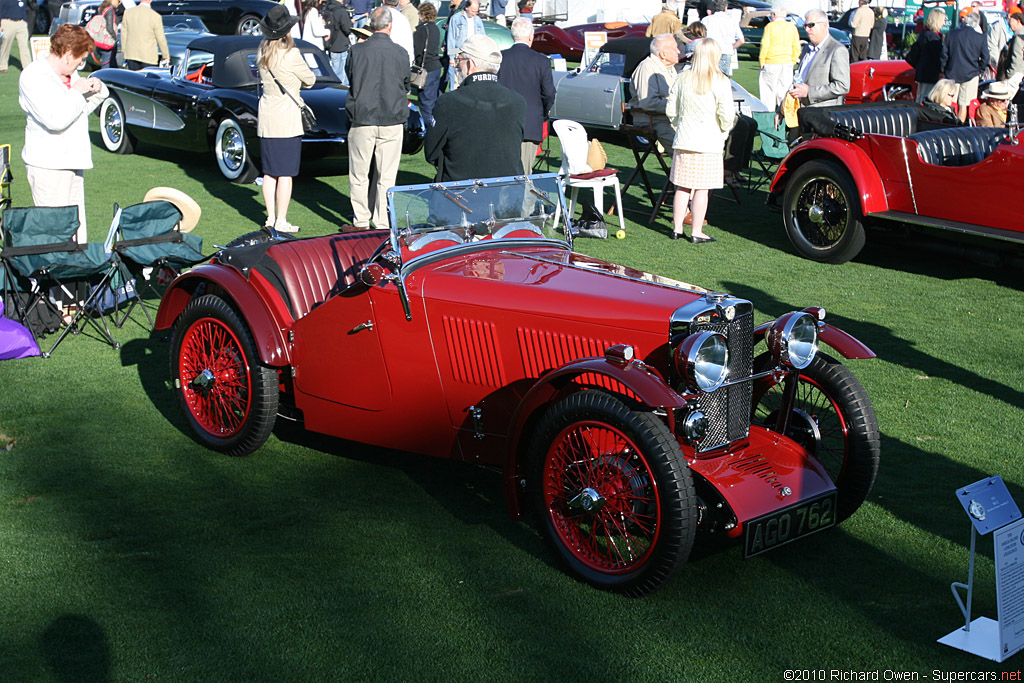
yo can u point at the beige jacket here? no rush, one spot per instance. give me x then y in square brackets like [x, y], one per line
[279, 116]
[702, 122]
[142, 34]
[863, 21]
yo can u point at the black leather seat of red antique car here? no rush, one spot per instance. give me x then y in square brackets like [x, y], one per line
[957, 146]
[899, 121]
[307, 272]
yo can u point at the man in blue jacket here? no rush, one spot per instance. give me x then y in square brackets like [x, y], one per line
[528, 73]
[462, 25]
[964, 57]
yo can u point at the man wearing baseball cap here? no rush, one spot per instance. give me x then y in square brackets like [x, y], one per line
[478, 128]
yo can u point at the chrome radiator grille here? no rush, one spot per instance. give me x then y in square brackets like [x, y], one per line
[728, 408]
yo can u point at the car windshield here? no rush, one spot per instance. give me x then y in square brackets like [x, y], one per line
[474, 210]
[174, 23]
[609, 63]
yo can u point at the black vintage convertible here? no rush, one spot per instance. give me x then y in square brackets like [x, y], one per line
[209, 102]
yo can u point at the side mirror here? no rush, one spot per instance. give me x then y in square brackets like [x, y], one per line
[372, 274]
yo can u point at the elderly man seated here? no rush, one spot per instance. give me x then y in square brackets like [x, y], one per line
[650, 85]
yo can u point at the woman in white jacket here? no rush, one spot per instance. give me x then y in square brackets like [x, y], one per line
[57, 103]
[701, 110]
[311, 27]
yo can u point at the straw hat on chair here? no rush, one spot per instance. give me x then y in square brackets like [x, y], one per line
[190, 211]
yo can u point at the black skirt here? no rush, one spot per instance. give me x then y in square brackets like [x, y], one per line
[281, 156]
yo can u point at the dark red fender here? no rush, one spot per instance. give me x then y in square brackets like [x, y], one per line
[848, 155]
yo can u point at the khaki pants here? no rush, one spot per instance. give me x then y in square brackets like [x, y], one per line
[383, 146]
[964, 94]
[53, 187]
[14, 30]
[528, 153]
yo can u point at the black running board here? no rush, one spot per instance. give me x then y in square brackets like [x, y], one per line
[967, 228]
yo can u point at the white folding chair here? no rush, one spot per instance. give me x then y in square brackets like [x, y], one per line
[576, 174]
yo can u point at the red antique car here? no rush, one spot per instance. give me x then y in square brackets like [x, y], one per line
[569, 42]
[886, 164]
[881, 81]
[629, 412]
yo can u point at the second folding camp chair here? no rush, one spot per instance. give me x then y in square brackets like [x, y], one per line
[774, 149]
[144, 239]
[40, 256]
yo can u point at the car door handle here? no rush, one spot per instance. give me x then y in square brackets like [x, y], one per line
[368, 325]
[610, 89]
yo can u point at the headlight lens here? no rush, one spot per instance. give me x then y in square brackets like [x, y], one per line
[703, 360]
[793, 340]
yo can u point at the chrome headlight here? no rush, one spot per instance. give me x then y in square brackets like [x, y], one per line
[793, 340]
[703, 360]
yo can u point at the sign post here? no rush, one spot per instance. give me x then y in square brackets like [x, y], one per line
[990, 508]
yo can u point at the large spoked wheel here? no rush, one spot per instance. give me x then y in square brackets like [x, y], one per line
[114, 127]
[229, 398]
[613, 495]
[832, 418]
[249, 25]
[232, 154]
[822, 213]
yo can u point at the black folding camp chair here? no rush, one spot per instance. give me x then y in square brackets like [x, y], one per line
[144, 239]
[41, 254]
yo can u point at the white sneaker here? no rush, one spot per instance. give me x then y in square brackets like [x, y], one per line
[284, 226]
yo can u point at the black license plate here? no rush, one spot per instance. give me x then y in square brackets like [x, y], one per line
[789, 524]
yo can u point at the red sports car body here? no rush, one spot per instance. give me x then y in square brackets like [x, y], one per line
[887, 164]
[569, 42]
[628, 412]
[881, 81]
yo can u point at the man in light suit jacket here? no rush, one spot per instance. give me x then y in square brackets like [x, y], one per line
[142, 34]
[824, 68]
[528, 73]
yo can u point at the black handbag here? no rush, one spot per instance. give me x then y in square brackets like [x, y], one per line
[308, 117]
[418, 74]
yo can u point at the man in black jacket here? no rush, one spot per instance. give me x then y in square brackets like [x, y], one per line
[529, 74]
[378, 71]
[340, 24]
[478, 129]
[964, 57]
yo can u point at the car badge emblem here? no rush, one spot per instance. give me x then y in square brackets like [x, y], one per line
[977, 510]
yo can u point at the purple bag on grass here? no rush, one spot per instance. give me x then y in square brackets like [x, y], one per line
[15, 339]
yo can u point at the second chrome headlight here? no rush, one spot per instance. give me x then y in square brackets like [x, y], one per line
[793, 340]
[703, 360]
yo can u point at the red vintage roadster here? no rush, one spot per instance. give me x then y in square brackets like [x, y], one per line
[888, 164]
[629, 412]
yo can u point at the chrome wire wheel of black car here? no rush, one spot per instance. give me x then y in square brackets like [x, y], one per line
[613, 495]
[822, 213]
[228, 397]
[114, 127]
[833, 419]
[232, 154]
[249, 25]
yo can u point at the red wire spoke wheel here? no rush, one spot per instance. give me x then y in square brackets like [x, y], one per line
[832, 417]
[229, 398]
[612, 493]
[215, 377]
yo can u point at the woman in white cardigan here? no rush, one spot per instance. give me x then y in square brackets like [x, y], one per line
[701, 110]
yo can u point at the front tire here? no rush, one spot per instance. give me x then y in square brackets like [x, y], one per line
[114, 127]
[833, 418]
[249, 25]
[822, 213]
[613, 495]
[229, 398]
[232, 153]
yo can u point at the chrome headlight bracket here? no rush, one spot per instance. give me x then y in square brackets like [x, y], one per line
[793, 340]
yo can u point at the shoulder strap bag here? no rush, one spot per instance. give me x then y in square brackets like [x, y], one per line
[308, 117]
[418, 73]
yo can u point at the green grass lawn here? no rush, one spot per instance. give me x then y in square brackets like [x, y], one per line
[129, 553]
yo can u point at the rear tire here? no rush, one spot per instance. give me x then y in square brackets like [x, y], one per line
[232, 153]
[822, 213]
[229, 398]
[612, 493]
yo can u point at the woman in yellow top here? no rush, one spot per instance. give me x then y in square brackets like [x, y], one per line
[701, 110]
[283, 73]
